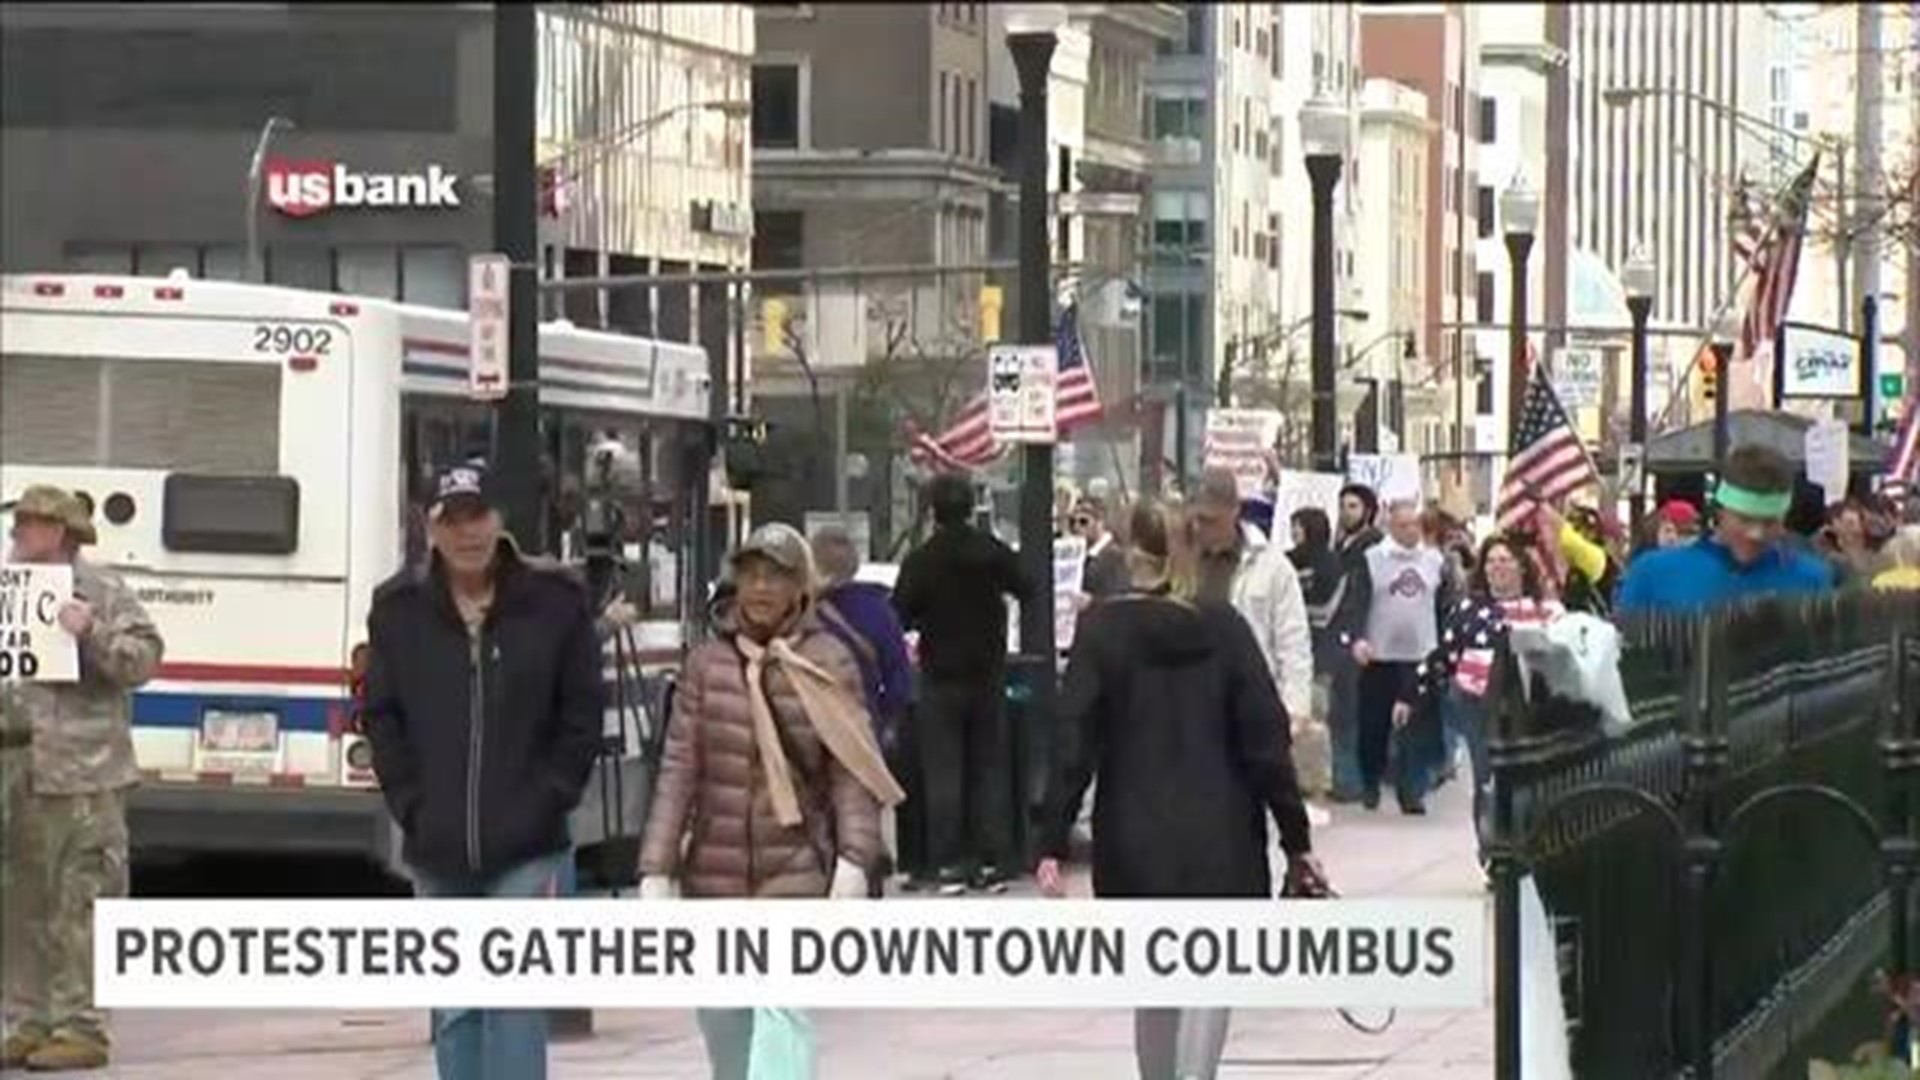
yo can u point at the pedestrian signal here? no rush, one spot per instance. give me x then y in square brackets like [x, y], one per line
[992, 300]
[773, 323]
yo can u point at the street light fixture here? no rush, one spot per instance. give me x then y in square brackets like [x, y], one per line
[254, 168]
[1639, 279]
[1323, 134]
[1620, 97]
[1520, 215]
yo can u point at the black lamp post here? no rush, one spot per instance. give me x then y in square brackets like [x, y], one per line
[1323, 132]
[1031, 39]
[1520, 213]
[1637, 277]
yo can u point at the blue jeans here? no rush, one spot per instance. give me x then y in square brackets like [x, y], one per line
[1466, 718]
[1343, 726]
[493, 1044]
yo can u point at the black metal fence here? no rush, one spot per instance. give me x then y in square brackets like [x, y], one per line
[1723, 872]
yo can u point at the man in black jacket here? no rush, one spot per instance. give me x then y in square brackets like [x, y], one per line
[483, 702]
[953, 590]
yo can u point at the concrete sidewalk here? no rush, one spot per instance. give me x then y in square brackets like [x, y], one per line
[1366, 854]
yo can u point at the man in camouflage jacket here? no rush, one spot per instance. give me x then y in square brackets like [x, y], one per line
[66, 763]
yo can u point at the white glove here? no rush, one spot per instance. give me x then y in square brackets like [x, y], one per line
[849, 882]
[657, 887]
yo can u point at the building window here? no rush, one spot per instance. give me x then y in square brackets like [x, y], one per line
[776, 106]
[973, 117]
[1196, 29]
[1179, 225]
[100, 258]
[434, 276]
[223, 262]
[779, 239]
[369, 270]
[1483, 211]
[953, 140]
[1260, 45]
[1273, 241]
[1236, 32]
[940, 117]
[1483, 386]
[1489, 121]
[1483, 298]
[300, 266]
[1260, 247]
[1262, 148]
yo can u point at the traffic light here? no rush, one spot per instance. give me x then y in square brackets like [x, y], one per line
[773, 324]
[992, 300]
[1709, 365]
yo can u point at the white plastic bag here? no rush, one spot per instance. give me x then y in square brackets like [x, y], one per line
[1579, 656]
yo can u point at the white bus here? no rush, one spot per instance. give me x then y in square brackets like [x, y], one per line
[257, 458]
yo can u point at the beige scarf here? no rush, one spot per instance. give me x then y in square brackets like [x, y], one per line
[837, 717]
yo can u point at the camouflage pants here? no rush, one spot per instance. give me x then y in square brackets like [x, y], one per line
[58, 853]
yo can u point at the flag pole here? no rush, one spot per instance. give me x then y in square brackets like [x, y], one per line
[1732, 297]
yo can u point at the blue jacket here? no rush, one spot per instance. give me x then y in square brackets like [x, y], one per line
[866, 609]
[1703, 575]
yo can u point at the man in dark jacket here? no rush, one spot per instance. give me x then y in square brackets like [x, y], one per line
[483, 703]
[953, 590]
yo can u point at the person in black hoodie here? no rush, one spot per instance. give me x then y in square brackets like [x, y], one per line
[953, 590]
[1171, 703]
[1359, 512]
[482, 702]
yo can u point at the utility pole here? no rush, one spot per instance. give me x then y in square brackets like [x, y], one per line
[1867, 194]
[517, 457]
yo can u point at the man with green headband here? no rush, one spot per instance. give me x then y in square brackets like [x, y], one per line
[1742, 557]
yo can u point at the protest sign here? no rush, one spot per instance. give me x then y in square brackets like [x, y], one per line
[1069, 578]
[33, 645]
[1391, 476]
[1826, 451]
[1300, 490]
[1241, 440]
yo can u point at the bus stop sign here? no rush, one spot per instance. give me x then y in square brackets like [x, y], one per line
[487, 326]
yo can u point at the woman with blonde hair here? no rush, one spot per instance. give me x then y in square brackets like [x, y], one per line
[1170, 702]
[1903, 556]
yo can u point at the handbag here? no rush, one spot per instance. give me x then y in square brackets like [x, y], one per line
[783, 1046]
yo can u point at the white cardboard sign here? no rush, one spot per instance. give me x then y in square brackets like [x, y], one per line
[1391, 476]
[1241, 440]
[33, 645]
[1826, 451]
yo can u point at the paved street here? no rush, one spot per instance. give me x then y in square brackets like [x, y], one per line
[1366, 854]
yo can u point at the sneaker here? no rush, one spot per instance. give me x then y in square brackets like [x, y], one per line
[68, 1053]
[989, 879]
[951, 882]
[1318, 816]
[1371, 799]
[18, 1048]
[1413, 807]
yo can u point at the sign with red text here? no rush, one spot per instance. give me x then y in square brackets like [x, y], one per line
[487, 277]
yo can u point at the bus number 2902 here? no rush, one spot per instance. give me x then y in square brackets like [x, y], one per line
[305, 340]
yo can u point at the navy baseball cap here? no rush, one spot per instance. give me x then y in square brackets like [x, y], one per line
[462, 487]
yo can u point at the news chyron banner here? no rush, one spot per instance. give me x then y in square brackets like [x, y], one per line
[930, 954]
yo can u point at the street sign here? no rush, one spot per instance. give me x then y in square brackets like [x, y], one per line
[1633, 458]
[1020, 393]
[488, 339]
[1893, 386]
[1576, 377]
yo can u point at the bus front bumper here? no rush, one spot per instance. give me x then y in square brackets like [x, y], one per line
[172, 819]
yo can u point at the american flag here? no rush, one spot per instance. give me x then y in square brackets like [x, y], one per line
[1549, 463]
[968, 443]
[1776, 265]
[1903, 460]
